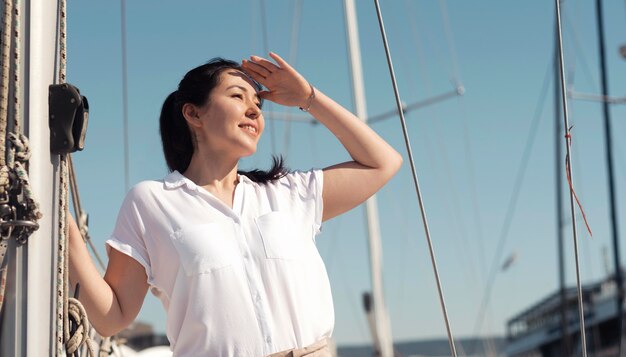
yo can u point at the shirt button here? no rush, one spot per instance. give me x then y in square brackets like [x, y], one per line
[268, 339]
[246, 255]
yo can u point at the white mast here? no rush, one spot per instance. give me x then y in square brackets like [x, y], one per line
[381, 329]
[28, 325]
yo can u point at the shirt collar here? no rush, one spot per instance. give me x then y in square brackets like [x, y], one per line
[175, 180]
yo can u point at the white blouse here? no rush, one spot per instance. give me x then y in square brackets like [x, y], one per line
[246, 281]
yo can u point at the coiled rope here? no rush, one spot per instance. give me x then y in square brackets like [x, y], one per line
[15, 153]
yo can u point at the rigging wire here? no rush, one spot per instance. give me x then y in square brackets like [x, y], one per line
[468, 152]
[510, 211]
[575, 43]
[293, 55]
[266, 50]
[578, 49]
[125, 97]
[595, 329]
[450, 41]
[568, 168]
[608, 145]
[440, 58]
[452, 204]
[415, 180]
[82, 218]
[468, 147]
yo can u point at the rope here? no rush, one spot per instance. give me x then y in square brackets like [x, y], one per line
[62, 286]
[62, 256]
[78, 317]
[416, 182]
[568, 137]
[14, 161]
[5, 48]
[16, 67]
[106, 347]
[72, 323]
[19, 156]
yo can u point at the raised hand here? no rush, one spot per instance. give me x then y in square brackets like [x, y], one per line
[285, 86]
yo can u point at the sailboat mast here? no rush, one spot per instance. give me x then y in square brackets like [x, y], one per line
[382, 329]
[610, 175]
[28, 325]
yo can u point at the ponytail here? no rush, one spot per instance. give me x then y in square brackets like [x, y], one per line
[277, 171]
[175, 134]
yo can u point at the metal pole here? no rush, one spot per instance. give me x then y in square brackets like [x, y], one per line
[382, 338]
[565, 343]
[568, 167]
[611, 175]
[416, 181]
[28, 326]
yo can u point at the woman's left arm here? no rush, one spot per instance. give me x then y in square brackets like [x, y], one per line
[374, 161]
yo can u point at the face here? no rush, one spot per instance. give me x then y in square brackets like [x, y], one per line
[231, 122]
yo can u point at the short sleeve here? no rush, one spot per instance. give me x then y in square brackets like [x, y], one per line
[129, 232]
[309, 185]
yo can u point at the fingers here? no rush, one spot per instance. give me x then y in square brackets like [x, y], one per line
[267, 95]
[268, 65]
[255, 70]
[279, 60]
[258, 74]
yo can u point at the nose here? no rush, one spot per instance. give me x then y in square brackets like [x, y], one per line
[253, 112]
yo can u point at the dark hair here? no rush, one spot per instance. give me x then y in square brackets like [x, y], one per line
[194, 88]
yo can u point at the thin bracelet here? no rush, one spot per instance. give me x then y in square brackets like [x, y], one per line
[309, 101]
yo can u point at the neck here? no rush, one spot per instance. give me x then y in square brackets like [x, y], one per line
[219, 177]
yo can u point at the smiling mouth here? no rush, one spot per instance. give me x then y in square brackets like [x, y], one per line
[249, 128]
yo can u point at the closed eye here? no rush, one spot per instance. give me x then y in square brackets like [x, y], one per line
[241, 97]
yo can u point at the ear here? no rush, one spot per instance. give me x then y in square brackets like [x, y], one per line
[191, 114]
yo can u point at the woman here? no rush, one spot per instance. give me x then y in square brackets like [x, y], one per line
[231, 255]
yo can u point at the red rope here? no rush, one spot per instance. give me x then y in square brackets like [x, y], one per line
[568, 137]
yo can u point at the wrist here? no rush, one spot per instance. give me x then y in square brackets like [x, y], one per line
[309, 101]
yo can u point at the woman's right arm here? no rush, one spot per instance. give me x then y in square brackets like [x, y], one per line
[114, 301]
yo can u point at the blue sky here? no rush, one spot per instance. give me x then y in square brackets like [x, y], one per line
[467, 149]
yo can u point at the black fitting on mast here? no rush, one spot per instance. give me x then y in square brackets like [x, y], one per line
[68, 117]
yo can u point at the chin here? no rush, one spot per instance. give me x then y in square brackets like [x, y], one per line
[250, 152]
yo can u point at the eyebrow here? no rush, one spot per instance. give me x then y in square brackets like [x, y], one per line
[244, 89]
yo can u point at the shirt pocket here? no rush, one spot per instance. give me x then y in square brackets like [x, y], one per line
[282, 236]
[205, 248]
